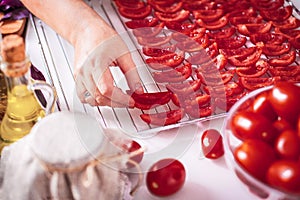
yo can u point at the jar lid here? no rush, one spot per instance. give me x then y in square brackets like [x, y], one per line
[66, 139]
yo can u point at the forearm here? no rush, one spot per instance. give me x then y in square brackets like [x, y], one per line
[69, 18]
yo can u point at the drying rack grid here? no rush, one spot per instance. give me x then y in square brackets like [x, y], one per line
[56, 61]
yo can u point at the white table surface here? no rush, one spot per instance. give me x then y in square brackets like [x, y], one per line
[206, 179]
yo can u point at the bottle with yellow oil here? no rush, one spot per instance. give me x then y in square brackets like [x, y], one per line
[23, 107]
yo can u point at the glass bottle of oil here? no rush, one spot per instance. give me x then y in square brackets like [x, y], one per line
[23, 108]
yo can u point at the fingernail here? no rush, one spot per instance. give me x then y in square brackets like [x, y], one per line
[138, 88]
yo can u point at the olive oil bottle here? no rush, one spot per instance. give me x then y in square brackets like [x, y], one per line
[23, 108]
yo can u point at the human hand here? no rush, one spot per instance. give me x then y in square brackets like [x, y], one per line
[94, 81]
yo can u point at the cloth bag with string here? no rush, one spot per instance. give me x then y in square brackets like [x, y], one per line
[66, 156]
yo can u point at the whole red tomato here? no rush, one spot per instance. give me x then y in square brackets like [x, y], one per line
[261, 105]
[165, 177]
[285, 175]
[287, 145]
[256, 157]
[212, 144]
[248, 125]
[284, 97]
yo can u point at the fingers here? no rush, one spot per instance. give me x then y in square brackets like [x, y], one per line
[130, 71]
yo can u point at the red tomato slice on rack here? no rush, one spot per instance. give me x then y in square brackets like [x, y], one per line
[165, 61]
[154, 41]
[246, 61]
[249, 29]
[132, 13]
[249, 12]
[208, 15]
[288, 71]
[213, 25]
[267, 5]
[242, 52]
[288, 33]
[285, 59]
[171, 8]
[148, 32]
[217, 78]
[279, 14]
[295, 42]
[146, 101]
[133, 4]
[272, 38]
[178, 16]
[184, 88]
[178, 74]
[257, 70]
[223, 33]
[290, 23]
[198, 100]
[180, 27]
[158, 51]
[195, 112]
[161, 2]
[256, 83]
[245, 20]
[193, 45]
[163, 118]
[231, 43]
[194, 34]
[141, 23]
[276, 50]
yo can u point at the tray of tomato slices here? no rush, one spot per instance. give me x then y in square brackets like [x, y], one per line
[204, 56]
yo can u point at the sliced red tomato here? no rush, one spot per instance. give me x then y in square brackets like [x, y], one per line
[165, 61]
[204, 55]
[229, 101]
[148, 32]
[178, 74]
[196, 112]
[249, 29]
[154, 41]
[248, 12]
[193, 45]
[184, 88]
[163, 118]
[217, 63]
[290, 23]
[285, 59]
[180, 27]
[256, 83]
[246, 61]
[133, 4]
[223, 33]
[295, 42]
[194, 34]
[198, 100]
[201, 5]
[141, 23]
[213, 25]
[212, 144]
[158, 51]
[208, 15]
[279, 14]
[287, 33]
[229, 89]
[161, 2]
[146, 101]
[289, 71]
[276, 50]
[271, 38]
[245, 20]
[217, 78]
[133, 13]
[254, 71]
[242, 52]
[171, 8]
[178, 16]
[267, 5]
[231, 43]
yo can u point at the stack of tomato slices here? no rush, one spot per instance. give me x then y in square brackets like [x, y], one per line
[213, 52]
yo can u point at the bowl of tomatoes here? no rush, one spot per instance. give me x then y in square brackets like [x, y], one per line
[262, 141]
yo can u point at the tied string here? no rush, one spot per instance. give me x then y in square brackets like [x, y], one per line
[87, 178]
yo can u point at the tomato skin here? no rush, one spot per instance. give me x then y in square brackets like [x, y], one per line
[262, 106]
[180, 73]
[280, 14]
[138, 13]
[255, 156]
[248, 125]
[163, 118]
[132, 147]
[284, 175]
[141, 23]
[168, 61]
[158, 51]
[212, 144]
[165, 177]
[287, 145]
[178, 16]
[284, 97]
